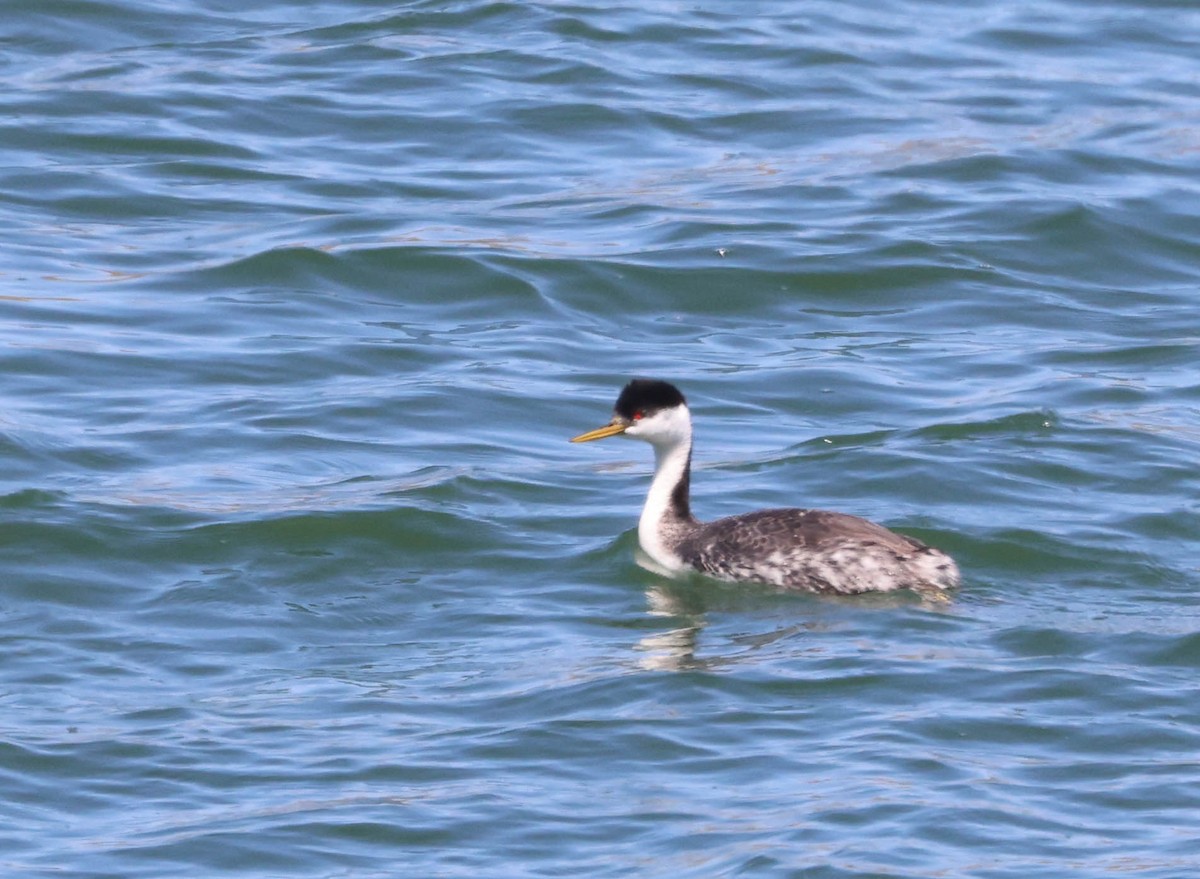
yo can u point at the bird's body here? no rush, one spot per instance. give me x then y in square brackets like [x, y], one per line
[812, 550]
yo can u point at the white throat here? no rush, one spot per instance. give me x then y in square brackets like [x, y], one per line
[661, 526]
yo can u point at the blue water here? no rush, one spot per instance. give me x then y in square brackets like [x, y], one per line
[299, 576]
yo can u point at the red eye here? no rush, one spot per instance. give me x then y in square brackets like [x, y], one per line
[639, 415]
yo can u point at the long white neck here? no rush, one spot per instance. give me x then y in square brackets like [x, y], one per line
[666, 517]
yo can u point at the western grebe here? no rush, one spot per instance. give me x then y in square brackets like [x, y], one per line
[814, 550]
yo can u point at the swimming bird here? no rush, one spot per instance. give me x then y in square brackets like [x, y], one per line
[811, 550]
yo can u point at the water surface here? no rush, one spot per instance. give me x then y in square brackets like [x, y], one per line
[300, 577]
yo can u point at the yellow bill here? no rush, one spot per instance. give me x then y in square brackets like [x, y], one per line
[614, 427]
